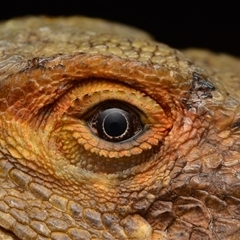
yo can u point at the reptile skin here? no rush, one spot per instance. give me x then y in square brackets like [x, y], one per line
[178, 178]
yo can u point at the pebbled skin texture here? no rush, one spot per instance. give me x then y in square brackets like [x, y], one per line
[178, 179]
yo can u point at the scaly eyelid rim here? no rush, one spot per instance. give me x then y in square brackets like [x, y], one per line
[75, 103]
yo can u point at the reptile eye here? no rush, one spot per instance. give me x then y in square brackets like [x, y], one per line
[115, 124]
[107, 127]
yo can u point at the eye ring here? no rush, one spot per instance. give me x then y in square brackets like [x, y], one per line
[115, 122]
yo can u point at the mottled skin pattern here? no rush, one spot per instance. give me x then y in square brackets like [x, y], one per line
[178, 179]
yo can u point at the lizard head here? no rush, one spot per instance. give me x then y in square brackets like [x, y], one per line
[111, 136]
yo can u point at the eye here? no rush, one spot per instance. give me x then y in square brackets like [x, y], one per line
[107, 127]
[115, 122]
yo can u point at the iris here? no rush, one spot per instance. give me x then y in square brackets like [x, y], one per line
[115, 124]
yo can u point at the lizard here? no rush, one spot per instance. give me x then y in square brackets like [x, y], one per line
[108, 134]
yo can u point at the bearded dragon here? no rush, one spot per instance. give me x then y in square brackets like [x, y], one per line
[108, 134]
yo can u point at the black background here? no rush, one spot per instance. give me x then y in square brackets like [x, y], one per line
[203, 24]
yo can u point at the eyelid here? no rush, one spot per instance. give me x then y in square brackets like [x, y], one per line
[84, 98]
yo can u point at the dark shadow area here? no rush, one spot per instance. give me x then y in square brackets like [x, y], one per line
[203, 24]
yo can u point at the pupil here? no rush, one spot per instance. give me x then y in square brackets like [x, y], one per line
[115, 124]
